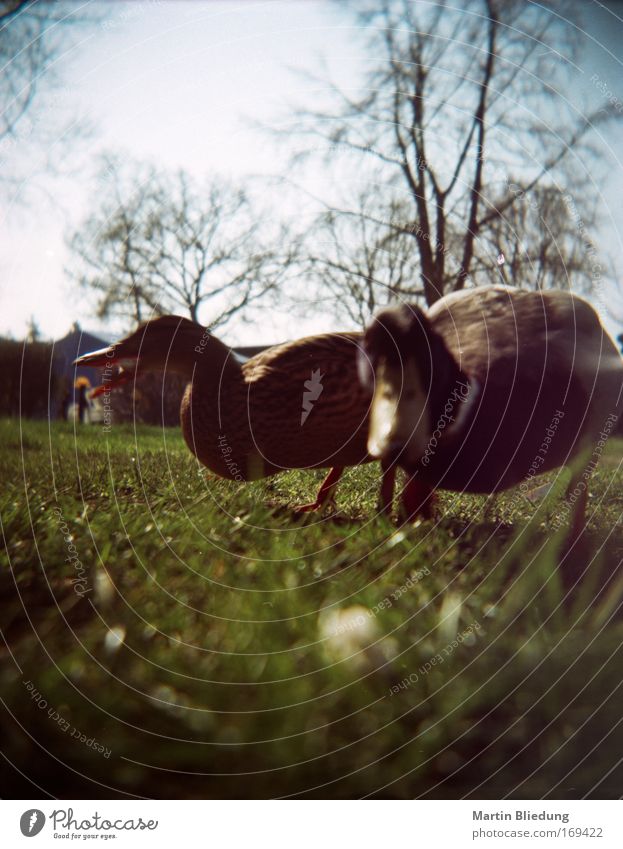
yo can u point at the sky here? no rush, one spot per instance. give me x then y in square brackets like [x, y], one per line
[185, 84]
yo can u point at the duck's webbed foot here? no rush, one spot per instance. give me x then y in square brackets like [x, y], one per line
[326, 493]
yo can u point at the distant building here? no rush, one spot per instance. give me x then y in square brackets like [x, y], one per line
[76, 343]
[66, 350]
[248, 351]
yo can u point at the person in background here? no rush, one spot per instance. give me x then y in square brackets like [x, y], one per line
[82, 385]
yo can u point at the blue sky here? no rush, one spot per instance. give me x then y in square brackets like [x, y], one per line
[181, 83]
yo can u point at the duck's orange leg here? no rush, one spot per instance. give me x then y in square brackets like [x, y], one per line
[578, 521]
[418, 499]
[325, 493]
[387, 488]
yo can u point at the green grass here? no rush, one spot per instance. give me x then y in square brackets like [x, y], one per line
[222, 648]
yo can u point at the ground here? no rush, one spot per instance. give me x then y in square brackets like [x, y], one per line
[170, 634]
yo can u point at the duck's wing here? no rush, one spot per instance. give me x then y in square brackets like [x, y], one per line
[538, 358]
[306, 406]
[502, 324]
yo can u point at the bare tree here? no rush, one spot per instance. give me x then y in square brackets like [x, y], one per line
[539, 241]
[156, 244]
[361, 259]
[461, 98]
[36, 37]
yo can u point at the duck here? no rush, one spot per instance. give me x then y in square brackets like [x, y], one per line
[489, 387]
[298, 405]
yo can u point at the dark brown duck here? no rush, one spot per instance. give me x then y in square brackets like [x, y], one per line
[489, 387]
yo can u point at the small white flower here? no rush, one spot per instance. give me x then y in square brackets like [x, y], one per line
[114, 639]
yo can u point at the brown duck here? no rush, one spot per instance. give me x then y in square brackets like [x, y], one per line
[298, 405]
[489, 387]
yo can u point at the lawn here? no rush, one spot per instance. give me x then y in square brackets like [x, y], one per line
[170, 634]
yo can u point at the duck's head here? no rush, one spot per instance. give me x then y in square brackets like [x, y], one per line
[167, 343]
[408, 368]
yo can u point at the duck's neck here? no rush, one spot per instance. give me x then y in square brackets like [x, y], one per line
[214, 415]
[452, 393]
[210, 360]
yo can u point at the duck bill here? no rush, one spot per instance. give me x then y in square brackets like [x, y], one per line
[108, 359]
[399, 429]
[98, 359]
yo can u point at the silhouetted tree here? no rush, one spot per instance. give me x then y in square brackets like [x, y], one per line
[362, 263]
[462, 115]
[156, 243]
[34, 109]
